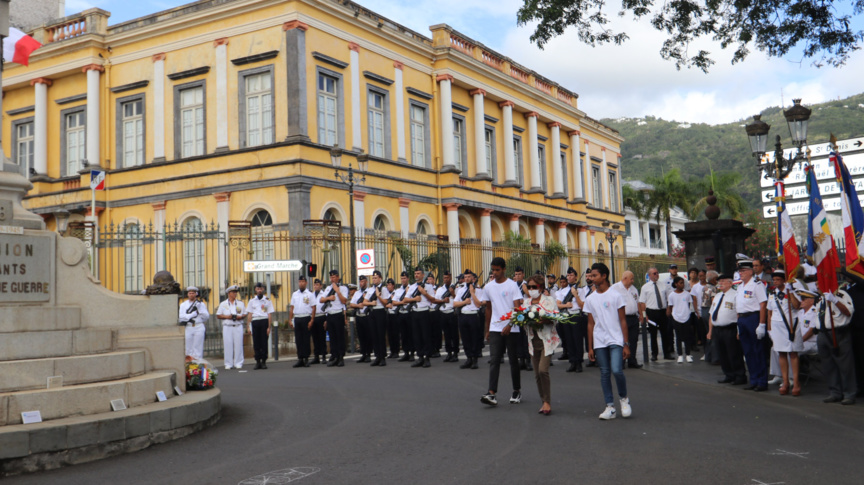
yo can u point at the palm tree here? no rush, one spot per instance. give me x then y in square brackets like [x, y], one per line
[724, 185]
[634, 199]
[670, 191]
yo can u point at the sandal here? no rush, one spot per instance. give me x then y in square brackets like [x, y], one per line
[796, 391]
[784, 390]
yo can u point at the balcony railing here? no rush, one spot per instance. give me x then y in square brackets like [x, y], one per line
[90, 21]
[461, 44]
[657, 244]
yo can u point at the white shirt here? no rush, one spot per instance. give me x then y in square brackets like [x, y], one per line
[727, 315]
[398, 295]
[379, 302]
[302, 302]
[260, 308]
[478, 292]
[424, 302]
[631, 298]
[227, 309]
[696, 291]
[840, 320]
[561, 294]
[335, 305]
[193, 311]
[607, 325]
[808, 320]
[778, 312]
[501, 296]
[668, 284]
[648, 296]
[318, 303]
[355, 298]
[682, 305]
[441, 294]
[750, 295]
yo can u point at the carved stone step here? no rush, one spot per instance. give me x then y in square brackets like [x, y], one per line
[63, 343]
[39, 318]
[24, 375]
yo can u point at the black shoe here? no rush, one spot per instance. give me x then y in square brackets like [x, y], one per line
[340, 362]
[263, 364]
[448, 357]
[653, 358]
[332, 358]
[668, 357]
[761, 388]
[455, 357]
[436, 354]
[257, 364]
[726, 380]
[848, 401]
[404, 358]
[739, 382]
[305, 362]
[634, 365]
[528, 365]
[832, 399]
[474, 363]
[411, 358]
[383, 363]
[419, 362]
[749, 387]
[564, 356]
[572, 368]
[332, 363]
[591, 364]
[393, 355]
[316, 360]
[578, 367]
[298, 364]
[467, 364]
[426, 363]
[375, 363]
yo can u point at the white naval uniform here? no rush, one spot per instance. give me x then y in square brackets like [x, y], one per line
[195, 315]
[806, 321]
[441, 293]
[232, 332]
[355, 299]
[779, 331]
[302, 302]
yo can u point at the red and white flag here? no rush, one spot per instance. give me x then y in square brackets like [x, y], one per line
[18, 47]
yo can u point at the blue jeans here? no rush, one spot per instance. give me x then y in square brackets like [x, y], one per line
[611, 361]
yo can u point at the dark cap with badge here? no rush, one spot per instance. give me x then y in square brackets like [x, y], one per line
[709, 260]
[301, 278]
[362, 277]
[725, 277]
[570, 270]
[376, 273]
[673, 266]
[333, 272]
[404, 273]
[259, 285]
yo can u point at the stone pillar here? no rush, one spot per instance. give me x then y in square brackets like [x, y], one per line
[299, 202]
[295, 54]
[562, 238]
[159, 228]
[158, 108]
[593, 242]
[354, 61]
[540, 233]
[557, 174]
[221, 46]
[583, 248]
[509, 156]
[223, 212]
[359, 216]
[446, 99]
[404, 217]
[589, 176]
[94, 73]
[604, 181]
[400, 113]
[486, 238]
[40, 125]
[533, 151]
[576, 158]
[480, 134]
[514, 223]
[453, 236]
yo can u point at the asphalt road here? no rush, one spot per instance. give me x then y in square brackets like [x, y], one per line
[362, 425]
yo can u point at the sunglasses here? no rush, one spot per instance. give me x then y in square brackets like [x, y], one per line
[533, 287]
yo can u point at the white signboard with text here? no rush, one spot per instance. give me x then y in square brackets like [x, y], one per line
[265, 266]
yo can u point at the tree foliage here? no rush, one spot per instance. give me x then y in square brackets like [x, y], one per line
[821, 29]
[725, 187]
[670, 191]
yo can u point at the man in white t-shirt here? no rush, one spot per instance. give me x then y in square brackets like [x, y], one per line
[607, 338]
[503, 295]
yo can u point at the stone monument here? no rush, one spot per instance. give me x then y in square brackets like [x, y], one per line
[69, 347]
[720, 238]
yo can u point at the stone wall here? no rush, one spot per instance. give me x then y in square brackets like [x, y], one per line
[26, 14]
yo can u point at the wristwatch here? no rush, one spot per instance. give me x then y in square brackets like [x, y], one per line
[626, 344]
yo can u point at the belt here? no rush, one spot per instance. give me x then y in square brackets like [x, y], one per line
[747, 314]
[333, 312]
[260, 319]
[447, 312]
[578, 313]
[468, 312]
[360, 315]
[724, 325]
[302, 315]
[421, 309]
[192, 324]
[231, 324]
[632, 315]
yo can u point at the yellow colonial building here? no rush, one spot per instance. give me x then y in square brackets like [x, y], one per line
[226, 111]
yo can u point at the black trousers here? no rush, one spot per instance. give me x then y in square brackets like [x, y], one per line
[393, 332]
[259, 338]
[573, 339]
[497, 344]
[665, 329]
[522, 349]
[632, 337]
[728, 349]
[683, 335]
[378, 326]
[451, 332]
[301, 336]
[319, 335]
[406, 332]
[363, 324]
[471, 329]
[838, 364]
[436, 330]
[336, 329]
[422, 332]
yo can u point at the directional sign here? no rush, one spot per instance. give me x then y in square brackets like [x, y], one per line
[276, 265]
[800, 191]
[798, 208]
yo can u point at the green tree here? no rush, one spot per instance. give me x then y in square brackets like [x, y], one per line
[763, 242]
[725, 187]
[670, 191]
[633, 199]
[819, 29]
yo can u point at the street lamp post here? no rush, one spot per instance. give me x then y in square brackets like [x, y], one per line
[611, 236]
[350, 180]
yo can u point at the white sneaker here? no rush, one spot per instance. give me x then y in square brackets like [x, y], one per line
[689, 359]
[228, 367]
[625, 407]
[680, 359]
[776, 380]
[609, 413]
[702, 358]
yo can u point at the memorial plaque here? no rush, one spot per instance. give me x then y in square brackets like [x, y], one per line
[25, 268]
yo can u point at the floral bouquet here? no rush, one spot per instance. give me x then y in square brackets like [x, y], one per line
[534, 316]
[200, 375]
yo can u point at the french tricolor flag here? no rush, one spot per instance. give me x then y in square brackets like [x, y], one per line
[18, 47]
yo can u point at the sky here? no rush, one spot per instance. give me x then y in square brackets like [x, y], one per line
[630, 80]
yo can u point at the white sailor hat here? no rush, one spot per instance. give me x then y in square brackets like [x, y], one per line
[191, 288]
[807, 294]
[232, 288]
[743, 257]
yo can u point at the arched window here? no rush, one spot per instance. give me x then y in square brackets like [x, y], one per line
[332, 215]
[422, 240]
[380, 224]
[194, 270]
[262, 236]
[134, 257]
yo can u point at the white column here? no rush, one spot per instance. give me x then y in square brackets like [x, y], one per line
[486, 238]
[159, 228]
[453, 235]
[646, 234]
[533, 150]
[604, 180]
[593, 243]
[557, 174]
[576, 158]
[221, 94]
[540, 233]
[223, 212]
[562, 239]
[94, 72]
[40, 125]
[356, 137]
[509, 158]
[583, 248]
[400, 114]
[589, 178]
[446, 112]
[514, 223]
[159, 108]
[480, 133]
[359, 216]
[404, 217]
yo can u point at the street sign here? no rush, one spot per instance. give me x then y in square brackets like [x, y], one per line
[365, 260]
[824, 170]
[97, 180]
[275, 265]
[798, 208]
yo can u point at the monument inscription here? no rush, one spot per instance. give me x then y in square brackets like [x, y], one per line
[25, 271]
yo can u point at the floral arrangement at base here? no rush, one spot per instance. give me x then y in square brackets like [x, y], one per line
[200, 375]
[535, 317]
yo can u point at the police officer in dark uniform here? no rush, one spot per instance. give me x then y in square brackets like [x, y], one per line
[319, 335]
